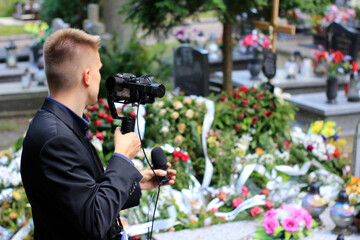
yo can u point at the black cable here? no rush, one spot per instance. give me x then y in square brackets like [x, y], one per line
[157, 178]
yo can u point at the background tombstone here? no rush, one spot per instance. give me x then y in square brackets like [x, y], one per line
[342, 39]
[58, 23]
[91, 24]
[191, 70]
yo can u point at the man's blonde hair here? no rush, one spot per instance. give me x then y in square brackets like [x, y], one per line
[62, 53]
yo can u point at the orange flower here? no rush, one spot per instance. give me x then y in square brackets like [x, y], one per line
[259, 151]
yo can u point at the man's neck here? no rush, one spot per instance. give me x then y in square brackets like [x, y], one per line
[72, 103]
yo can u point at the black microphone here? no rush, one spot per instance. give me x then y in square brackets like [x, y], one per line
[159, 160]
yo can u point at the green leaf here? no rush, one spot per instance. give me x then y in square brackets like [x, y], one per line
[287, 235]
[261, 234]
[314, 224]
[278, 230]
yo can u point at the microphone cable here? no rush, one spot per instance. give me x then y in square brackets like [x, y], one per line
[150, 231]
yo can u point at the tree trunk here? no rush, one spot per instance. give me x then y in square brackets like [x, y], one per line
[227, 64]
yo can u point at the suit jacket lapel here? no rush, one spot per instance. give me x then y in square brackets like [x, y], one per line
[62, 114]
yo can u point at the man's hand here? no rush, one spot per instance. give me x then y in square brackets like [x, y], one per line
[126, 144]
[149, 180]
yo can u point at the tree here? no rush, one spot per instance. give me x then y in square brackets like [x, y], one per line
[160, 16]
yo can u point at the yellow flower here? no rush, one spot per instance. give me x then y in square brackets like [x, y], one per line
[330, 124]
[328, 132]
[17, 195]
[162, 112]
[175, 115]
[341, 142]
[177, 105]
[211, 139]
[316, 127]
[189, 113]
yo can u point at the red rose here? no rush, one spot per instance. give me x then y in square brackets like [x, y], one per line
[244, 191]
[240, 116]
[100, 136]
[338, 57]
[256, 107]
[255, 211]
[268, 113]
[245, 102]
[336, 154]
[95, 107]
[119, 111]
[107, 108]
[268, 205]
[237, 202]
[176, 159]
[254, 120]
[109, 119]
[222, 99]
[236, 95]
[259, 96]
[237, 127]
[102, 114]
[101, 101]
[243, 89]
[88, 115]
[97, 123]
[355, 67]
[90, 135]
[265, 191]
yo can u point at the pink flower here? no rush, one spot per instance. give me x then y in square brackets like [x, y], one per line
[244, 191]
[249, 40]
[265, 191]
[270, 224]
[237, 202]
[290, 225]
[255, 211]
[307, 218]
[268, 205]
[270, 214]
[214, 210]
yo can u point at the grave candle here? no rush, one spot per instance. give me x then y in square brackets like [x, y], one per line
[11, 58]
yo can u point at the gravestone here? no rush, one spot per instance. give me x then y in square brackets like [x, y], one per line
[191, 70]
[343, 39]
[58, 23]
[92, 24]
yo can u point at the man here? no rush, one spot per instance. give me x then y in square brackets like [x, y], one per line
[71, 195]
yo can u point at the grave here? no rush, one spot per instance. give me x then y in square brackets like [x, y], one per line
[191, 70]
[302, 83]
[313, 106]
[91, 24]
[342, 39]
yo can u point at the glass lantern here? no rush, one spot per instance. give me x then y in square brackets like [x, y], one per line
[11, 57]
[314, 203]
[342, 214]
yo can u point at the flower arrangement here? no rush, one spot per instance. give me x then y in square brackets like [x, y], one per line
[344, 16]
[255, 42]
[286, 222]
[41, 31]
[332, 63]
[353, 190]
[184, 35]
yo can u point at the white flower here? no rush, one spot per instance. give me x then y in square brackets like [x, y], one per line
[97, 143]
[162, 112]
[160, 104]
[175, 115]
[138, 164]
[187, 100]
[189, 113]
[164, 129]
[330, 148]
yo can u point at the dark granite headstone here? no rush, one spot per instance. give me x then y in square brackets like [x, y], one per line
[191, 70]
[343, 39]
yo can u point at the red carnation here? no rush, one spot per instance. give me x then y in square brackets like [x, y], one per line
[355, 67]
[254, 120]
[255, 211]
[268, 205]
[88, 115]
[268, 113]
[338, 57]
[101, 101]
[245, 102]
[243, 89]
[259, 96]
[109, 119]
[265, 191]
[95, 107]
[222, 99]
[97, 123]
[237, 127]
[100, 136]
[102, 114]
[236, 95]
[107, 108]
[133, 114]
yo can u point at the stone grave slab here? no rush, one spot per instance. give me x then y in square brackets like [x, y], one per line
[302, 83]
[313, 106]
[245, 230]
[14, 74]
[191, 70]
[15, 100]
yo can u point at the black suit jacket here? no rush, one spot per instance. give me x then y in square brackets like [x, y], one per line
[71, 195]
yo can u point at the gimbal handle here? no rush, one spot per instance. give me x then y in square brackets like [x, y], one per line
[127, 124]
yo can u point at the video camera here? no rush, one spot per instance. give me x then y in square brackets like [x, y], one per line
[126, 88]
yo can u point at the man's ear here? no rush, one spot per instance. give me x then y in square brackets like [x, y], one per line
[86, 77]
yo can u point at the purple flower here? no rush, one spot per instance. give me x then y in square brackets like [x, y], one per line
[290, 225]
[310, 147]
[270, 224]
[347, 58]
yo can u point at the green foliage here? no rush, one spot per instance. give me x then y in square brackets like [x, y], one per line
[8, 7]
[73, 12]
[135, 59]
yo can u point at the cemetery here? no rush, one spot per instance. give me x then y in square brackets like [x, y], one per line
[260, 117]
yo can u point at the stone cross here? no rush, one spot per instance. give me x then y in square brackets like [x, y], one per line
[274, 26]
[92, 24]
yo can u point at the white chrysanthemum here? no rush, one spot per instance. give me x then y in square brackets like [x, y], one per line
[297, 135]
[252, 157]
[97, 144]
[330, 148]
[164, 129]
[267, 159]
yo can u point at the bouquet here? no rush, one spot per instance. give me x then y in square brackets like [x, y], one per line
[184, 35]
[285, 222]
[332, 63]
[255, 42]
